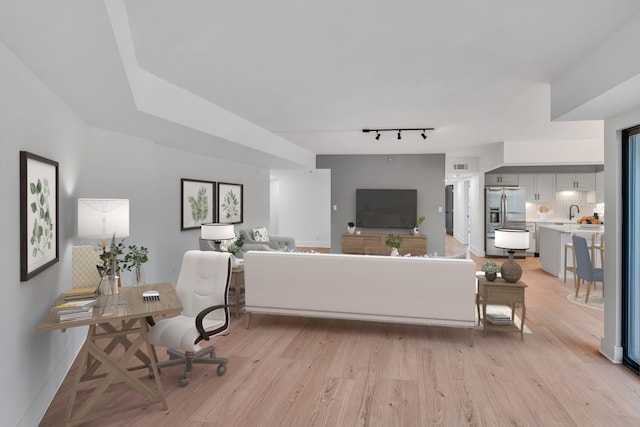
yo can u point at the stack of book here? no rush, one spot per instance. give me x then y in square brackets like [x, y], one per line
[75, 310]
[498, 319]
[80, 294]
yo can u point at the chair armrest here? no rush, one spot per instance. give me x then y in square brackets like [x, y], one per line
[205, 334]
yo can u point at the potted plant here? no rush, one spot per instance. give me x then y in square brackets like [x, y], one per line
[416, 228]
[235, 247]
[351, 227]
[134, 260]
[394, 241]
[491, 270]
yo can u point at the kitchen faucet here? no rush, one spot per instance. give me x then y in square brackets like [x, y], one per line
[571, 214]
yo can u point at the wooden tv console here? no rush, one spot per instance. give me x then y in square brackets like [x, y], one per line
[375, 244]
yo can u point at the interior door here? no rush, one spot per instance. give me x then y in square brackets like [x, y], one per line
[448, 210]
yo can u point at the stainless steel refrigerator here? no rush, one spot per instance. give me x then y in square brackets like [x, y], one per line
[505, 208]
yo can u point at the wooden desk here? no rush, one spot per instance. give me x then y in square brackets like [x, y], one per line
[501, 292]
[237, 285]
[125, 326]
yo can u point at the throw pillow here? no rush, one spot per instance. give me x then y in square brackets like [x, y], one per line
[260, 234]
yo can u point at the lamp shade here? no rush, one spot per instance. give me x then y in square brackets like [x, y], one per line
[217, 232]
[507, 238]
[101, 218]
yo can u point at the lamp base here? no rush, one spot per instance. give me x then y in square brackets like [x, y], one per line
[510, 270]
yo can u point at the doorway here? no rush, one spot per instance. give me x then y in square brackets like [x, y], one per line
[448, 210]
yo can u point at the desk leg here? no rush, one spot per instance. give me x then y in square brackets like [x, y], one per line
[83, 364]
[116, 369]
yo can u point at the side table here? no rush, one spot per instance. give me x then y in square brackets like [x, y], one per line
[237, 286]
[501, 292]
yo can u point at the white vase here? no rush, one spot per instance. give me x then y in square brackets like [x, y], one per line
[351, 230]
[416, 231]
[394, 252]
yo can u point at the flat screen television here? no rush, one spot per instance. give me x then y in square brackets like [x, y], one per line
[386, 208]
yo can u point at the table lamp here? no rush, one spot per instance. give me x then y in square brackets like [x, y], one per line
[511, 239]
[217, 232]
[103, 218]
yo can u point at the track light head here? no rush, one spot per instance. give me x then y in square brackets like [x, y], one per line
[377, 135]
[424, 134]
[399, 136]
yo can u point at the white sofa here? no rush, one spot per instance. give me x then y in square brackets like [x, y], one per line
[425, 291]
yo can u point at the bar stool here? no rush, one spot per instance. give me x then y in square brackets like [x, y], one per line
[600, 248]
[590, 237]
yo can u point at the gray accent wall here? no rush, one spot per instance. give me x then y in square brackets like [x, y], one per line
[423, 172]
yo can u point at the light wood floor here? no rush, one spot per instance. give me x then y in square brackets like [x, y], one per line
[288, 371]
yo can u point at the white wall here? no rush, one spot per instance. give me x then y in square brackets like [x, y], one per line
[550, 152]
[460, 211]
[301, 208]
[611, 342]
[33, 119]
[93, 163]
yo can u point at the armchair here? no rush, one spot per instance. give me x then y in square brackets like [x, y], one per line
[275, 243]
[202, 288]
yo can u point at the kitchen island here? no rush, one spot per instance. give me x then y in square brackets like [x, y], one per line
[552, 238]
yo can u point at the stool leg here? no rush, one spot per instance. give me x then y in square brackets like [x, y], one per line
[565, 263]
[576, 280]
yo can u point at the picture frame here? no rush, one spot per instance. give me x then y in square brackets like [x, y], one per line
[230, 203]
[197, 203]
[39, 209]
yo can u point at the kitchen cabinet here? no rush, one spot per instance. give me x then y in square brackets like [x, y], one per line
[600, 187]
[504, 179]
[576, 181]
[539, 187]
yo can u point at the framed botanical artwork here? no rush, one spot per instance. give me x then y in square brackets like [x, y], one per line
[230, 203]
[39, 242]
[197, 203]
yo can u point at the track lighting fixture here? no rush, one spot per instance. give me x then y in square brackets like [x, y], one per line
[423, 131]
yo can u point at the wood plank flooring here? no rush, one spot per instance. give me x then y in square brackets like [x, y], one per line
[290, 371]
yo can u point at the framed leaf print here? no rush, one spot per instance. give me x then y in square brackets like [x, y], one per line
[198, 203]
[230, 203]
[39, 243]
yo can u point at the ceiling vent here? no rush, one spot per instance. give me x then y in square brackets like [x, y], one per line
[460, 166]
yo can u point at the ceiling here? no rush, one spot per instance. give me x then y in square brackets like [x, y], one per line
[314, 74]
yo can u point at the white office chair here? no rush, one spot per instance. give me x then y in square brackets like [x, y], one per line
[202, 288]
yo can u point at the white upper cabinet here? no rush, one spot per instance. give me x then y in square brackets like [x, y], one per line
[600, 187]
[597, 196]
[539, 187]
[576, 181]
[508, 179]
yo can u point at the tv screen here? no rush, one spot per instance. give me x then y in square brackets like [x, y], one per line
[386, 208]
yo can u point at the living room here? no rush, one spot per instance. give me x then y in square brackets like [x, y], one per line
[97, 161]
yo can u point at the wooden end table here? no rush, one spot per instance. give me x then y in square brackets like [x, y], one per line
[237, 285]
[501, 292]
